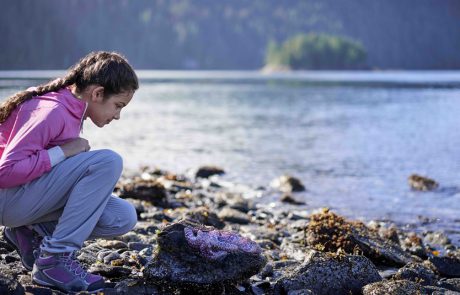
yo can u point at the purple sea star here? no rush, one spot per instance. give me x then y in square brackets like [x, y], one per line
[217, 244]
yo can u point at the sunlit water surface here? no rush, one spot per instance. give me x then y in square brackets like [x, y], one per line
[352, 145]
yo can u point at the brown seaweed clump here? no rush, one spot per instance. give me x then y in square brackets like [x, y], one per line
[330, 232]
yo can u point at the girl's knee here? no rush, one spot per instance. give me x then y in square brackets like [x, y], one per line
[111, 161]
[131, 217]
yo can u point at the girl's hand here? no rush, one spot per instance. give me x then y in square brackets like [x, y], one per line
[75, 146]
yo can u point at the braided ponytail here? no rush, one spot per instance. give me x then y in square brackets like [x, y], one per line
[107, 69]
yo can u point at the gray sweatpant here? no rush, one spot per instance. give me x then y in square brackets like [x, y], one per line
[71, 203]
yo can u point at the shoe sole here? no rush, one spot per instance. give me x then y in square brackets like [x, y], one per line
[51, 286]
[12, 244]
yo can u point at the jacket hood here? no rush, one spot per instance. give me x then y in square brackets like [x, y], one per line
[64, 96]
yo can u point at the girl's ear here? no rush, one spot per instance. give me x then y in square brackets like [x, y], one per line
[97, 94]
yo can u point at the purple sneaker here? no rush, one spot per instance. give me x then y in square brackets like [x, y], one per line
[63, 271]
[25, 241]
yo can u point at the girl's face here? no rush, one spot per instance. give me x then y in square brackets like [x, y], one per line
[102, 111]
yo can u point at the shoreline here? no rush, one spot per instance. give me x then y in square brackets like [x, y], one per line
[293, 241]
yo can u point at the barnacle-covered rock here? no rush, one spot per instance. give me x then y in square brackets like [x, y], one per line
[327, 273]
[401, 287]
[330, 232]
[193, 256]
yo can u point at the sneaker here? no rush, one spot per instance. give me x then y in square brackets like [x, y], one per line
[25, 241]
[64, 272]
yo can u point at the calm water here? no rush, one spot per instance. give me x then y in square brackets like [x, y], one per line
[353, 139]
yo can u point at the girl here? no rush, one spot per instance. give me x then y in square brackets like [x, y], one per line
[53, 189]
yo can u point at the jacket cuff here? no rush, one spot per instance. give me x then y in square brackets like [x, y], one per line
[56, 155]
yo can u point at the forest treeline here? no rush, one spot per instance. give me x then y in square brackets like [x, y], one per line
[225, 34]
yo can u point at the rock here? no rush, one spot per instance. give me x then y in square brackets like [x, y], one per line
[421, 183]
[286, 198]
[330, 232]
[451, 284]
[202, 258]
[147, 190]
[288, 184]
[138, 287]
[234, 216]
[432, 290]
[8, 285]
[137, 246]
[109, 271]
[325, 273]
[402, 287]
[207, 171]
[446, 266]
[112, 244]
[205, 216]
[417, 272]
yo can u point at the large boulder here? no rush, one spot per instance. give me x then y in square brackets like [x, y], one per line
[326, 273]
[200, 258]
[330, 232]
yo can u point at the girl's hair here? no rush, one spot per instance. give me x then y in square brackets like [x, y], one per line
[107, 69]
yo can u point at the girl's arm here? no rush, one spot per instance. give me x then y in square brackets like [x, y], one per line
[25, 157]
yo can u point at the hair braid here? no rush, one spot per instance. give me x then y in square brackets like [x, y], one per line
[107, 69]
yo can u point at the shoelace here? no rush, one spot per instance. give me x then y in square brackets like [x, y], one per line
[72, 264]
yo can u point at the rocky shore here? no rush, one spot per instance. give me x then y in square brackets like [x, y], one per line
[200, 235]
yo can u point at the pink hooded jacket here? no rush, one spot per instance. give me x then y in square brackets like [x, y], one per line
[32, 129]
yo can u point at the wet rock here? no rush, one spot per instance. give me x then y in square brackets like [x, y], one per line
[109, 271]
[421, 183]
[8, 285]
[202, 258]
[417, 272]
[234, 216]
[138, 287]
[205, 216]
[147, 190]
[207, 171]
[286, 198]
[138, 246]
[112, 244]
[288, 184]
[402, 287]
[330, 232]
[451, 284]
[325, 273]
[432, 290]
[446, 266]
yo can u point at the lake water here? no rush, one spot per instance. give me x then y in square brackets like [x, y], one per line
[352, 138]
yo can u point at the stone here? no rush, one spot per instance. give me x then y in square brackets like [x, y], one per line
[8, 285]
[147, 190]
[195, 257]
[401, 287]
[417, 272]
[207, 171]
[205, 216]
[446, 266]
[286, 198]
[422, 183]
[288, 184]
[326, 273]
[233, 216]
